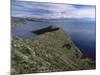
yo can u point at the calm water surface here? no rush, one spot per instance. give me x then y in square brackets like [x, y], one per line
[82, 32]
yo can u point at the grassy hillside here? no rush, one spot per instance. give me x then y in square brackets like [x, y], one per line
[48, 52]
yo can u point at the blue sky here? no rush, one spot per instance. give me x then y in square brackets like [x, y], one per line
[51, 10]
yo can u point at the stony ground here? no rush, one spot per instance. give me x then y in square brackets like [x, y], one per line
[52, 51]
[49, 52]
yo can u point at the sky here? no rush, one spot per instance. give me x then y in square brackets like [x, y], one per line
[52, 10]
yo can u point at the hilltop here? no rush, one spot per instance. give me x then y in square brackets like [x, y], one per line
[48, 52]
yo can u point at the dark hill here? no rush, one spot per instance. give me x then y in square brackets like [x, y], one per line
[46, 29]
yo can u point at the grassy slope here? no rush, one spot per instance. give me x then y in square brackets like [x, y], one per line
[52, 51]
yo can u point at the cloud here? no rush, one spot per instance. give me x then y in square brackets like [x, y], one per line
[51, 10]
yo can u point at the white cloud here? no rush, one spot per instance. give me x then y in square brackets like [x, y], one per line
[85, 2]
[56, 10]
[69, 11]
[86, 13]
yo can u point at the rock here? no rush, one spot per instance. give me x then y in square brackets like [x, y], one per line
[46, 29]
[55, 51]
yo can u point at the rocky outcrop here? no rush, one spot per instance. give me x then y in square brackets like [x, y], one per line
[45, 30]
[48, 52]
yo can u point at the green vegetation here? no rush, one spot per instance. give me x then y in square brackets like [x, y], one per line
[48, 52]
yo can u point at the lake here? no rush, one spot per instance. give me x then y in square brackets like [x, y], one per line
[82, 32]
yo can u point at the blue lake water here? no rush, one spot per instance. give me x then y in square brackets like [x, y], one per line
[82, 32]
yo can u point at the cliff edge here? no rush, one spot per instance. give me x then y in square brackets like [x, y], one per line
[48, 52]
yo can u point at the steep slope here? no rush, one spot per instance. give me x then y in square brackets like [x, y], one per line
[48, 52]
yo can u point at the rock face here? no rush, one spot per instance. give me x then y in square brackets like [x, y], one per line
[48, 52]
[46, 29]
